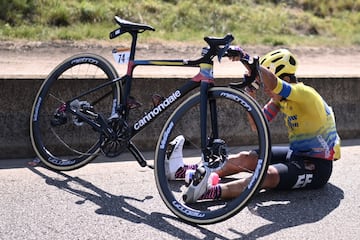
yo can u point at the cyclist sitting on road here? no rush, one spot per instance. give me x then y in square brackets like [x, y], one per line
[314, 142]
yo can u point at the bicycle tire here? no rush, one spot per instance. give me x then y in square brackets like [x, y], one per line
[231, 104]
[73, 144]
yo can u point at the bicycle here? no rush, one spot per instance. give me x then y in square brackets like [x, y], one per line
[70, 127]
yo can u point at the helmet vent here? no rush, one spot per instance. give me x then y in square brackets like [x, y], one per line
[274, 53]
[276, 59]
[279, 68]
[292, 61]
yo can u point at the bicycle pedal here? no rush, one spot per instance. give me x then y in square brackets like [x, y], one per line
[157, 99]
[132, 103]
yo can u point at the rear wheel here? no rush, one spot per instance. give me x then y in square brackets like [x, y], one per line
[232, 127]
[60, 139]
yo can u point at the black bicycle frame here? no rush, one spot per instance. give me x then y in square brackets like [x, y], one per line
[204, 79]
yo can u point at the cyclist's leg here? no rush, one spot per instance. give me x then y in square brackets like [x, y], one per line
[247, 160]
[280, 154]
[303, 172]
[175, 168]
[235, 188]
[285, 174]
[242, 162]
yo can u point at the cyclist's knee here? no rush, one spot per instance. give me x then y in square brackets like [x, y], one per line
[246, 156]
[272, 178]
[248, 159]
[243, 161]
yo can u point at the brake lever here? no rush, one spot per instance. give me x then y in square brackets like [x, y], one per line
[254, 67]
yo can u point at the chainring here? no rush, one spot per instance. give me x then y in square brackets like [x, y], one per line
[112, 147]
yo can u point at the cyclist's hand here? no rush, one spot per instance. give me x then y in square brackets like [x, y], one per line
[236, 53]
[251, 91]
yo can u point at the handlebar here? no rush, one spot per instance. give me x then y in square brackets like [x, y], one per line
[216, 47]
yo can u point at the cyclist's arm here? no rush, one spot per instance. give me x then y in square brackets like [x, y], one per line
[269, 79]
[271, 109]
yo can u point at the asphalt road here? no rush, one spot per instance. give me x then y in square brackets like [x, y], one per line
[119, 200]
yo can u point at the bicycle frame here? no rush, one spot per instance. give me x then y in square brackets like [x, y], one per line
[203, 80]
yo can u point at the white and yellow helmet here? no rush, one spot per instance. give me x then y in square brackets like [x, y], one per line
[280, 62]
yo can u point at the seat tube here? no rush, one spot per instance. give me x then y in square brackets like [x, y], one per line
[214, 118]
[204, 87]
[206, 79]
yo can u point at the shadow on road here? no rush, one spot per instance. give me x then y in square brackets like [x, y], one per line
[285, 209]
[119, 206]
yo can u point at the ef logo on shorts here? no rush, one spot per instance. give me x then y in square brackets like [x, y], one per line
[303, 180]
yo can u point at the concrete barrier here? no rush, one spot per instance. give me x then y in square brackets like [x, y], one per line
[18, 95]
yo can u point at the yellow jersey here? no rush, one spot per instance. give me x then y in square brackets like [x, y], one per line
[309, 120]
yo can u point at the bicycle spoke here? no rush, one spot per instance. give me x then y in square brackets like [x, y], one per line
[68, 147]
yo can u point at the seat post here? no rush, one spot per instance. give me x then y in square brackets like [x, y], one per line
[133, 44]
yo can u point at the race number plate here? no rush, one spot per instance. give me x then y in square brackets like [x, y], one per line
[121, 55]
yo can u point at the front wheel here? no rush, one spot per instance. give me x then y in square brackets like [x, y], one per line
[228, 123]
